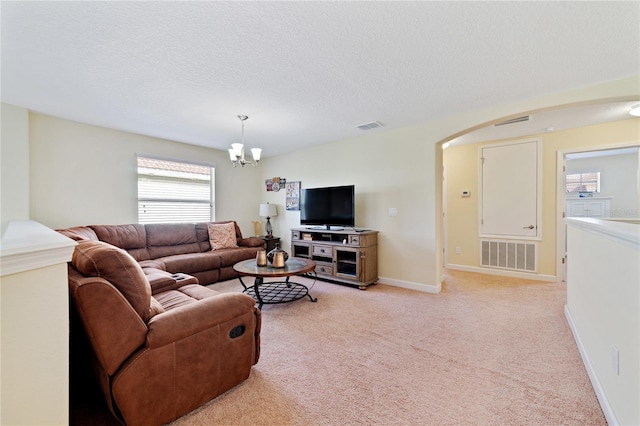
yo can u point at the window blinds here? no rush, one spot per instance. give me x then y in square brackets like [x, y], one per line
[583, 182]
[170, 191]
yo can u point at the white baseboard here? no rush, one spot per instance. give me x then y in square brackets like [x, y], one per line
[427, 288]
[597, 387]
[503, 273]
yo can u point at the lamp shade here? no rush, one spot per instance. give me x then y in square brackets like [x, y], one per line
[255, 152]
[237, 149]
[268, 210]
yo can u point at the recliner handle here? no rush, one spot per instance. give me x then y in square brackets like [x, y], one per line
[237, 331]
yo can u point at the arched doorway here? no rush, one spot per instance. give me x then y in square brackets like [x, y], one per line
[608, 111]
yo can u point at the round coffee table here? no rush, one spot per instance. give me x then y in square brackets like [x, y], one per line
[273, 292]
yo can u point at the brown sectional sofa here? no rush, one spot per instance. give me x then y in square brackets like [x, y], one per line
[169, 248]
[160, 344]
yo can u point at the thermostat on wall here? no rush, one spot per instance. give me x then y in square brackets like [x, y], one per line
[466, 194]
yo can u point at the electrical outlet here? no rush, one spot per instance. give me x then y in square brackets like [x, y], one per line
[458, 250]
[615, 360]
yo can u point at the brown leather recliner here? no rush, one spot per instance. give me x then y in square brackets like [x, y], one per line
[159, 356]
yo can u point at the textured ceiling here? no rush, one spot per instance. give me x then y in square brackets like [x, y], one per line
[305, 73]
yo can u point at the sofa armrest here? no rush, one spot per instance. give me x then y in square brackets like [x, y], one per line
[112, 325]
[251, 242]
[159, 280]
[188, 320]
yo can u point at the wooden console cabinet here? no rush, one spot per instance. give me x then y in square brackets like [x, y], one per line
[347, 256]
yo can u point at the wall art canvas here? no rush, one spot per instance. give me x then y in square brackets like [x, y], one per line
[293, 195]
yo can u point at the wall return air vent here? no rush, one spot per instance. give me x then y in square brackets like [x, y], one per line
[506, 254]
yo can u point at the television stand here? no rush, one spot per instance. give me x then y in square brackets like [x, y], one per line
[346, 256]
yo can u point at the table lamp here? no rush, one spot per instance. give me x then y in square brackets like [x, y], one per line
[268, 210]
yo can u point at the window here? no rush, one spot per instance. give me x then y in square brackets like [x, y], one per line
[171, 191]
[583, 182]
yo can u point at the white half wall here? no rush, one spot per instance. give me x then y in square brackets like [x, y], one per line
[603, 309]
[34, 317]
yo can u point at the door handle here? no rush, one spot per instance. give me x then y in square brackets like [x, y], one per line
[528, 227]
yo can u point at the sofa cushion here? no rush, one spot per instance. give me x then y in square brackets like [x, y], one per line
[99, 259]
[184, 295]
[222, 235]
[192, 262]
[132, 238]
[167, 239]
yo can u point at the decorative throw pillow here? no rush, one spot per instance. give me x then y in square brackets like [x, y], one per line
[222, 235]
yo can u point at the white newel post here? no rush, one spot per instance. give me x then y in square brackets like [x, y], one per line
[34, 318]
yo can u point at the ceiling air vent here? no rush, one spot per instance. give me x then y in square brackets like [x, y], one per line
[369, 126]
[514, 120]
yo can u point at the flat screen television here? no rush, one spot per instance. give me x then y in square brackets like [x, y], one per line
[328, 206]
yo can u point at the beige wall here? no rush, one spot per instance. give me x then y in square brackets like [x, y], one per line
[400, 168]
[83, 174]
[14, 157]
[383, 179]
[462, 174]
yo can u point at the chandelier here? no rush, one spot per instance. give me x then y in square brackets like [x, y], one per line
[236, 152]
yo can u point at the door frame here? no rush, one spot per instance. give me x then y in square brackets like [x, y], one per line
[445, 244]
[561, 255]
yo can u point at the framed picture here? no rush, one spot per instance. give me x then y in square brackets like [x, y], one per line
[293, 195]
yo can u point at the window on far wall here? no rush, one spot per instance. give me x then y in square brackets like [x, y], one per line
[583, 182]
[172, 191]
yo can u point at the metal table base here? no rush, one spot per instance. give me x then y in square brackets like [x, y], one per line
[273, 292]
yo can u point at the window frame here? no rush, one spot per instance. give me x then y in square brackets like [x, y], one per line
[581, 181]
[173, 202]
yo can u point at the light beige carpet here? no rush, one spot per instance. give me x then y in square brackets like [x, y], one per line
[486, 351]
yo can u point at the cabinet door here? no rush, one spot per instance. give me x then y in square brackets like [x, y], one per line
[301, 250]
[577, 208]
[598, 208]
[347, 263]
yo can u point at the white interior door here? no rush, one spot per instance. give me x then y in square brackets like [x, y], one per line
[509, 187]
